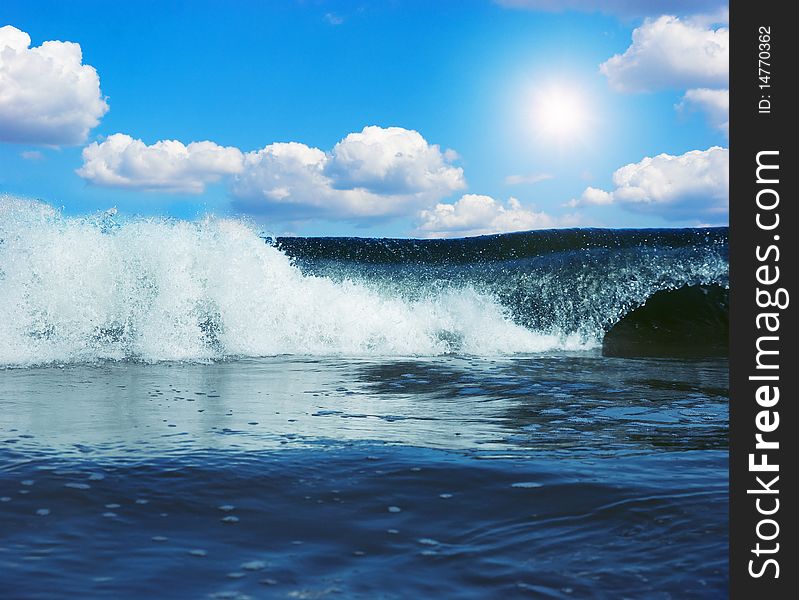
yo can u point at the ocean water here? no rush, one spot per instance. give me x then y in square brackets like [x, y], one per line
[189, 410]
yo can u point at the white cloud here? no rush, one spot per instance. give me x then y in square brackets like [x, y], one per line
[391, 161]
[690, 187]
[482, 215]
[31, 155]
[376, 172]
[625, 8]
[714, 103]
[284, 172]
[527, 179]
[47, 96]
[591, 196]
[168, 165]
[668, 52]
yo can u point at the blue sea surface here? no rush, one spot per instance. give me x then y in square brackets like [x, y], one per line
[567, 476]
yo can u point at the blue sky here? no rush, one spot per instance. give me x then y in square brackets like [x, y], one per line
[504, 117]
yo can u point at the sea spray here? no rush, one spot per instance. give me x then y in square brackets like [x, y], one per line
[89, 289]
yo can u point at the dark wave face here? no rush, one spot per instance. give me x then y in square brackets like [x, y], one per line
[571, 284]
[689, 321]
[93, 289]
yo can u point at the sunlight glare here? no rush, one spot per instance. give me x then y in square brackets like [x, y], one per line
[560, 114]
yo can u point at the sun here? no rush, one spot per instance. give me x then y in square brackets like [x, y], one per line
[560, 114]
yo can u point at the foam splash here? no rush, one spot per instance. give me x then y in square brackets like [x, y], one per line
[91, 289]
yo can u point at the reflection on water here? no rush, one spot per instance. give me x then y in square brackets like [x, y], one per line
[582, 405]
[556, 476]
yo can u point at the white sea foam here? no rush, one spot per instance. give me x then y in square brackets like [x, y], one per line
[88, 289]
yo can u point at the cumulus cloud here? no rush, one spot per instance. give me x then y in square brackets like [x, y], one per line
[527, 179]
[714, 103]
[284, 172]
[690, 187]
[168, 165]
[592, 196]
[391, 161]
[474, 214]
[624, 8]
[47, 95]
[668, 52]
[376, 172]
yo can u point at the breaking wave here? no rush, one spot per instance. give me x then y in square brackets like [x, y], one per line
[99, 288]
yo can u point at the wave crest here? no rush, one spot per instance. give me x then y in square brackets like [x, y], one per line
[91, 289]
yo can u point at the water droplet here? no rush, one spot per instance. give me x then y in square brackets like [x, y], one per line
[526, 484]
[198, 552]
[254, 565]
[394, 509]
[159, 538]
[43, 512]
[141, 501]
[27, 482]
[445, 496]
[226, 507]
[109, 515]
[230, 519]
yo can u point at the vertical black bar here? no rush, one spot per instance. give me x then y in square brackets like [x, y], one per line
[763, 100]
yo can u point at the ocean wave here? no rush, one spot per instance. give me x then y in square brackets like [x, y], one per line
[577, 282]
[94, 288]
